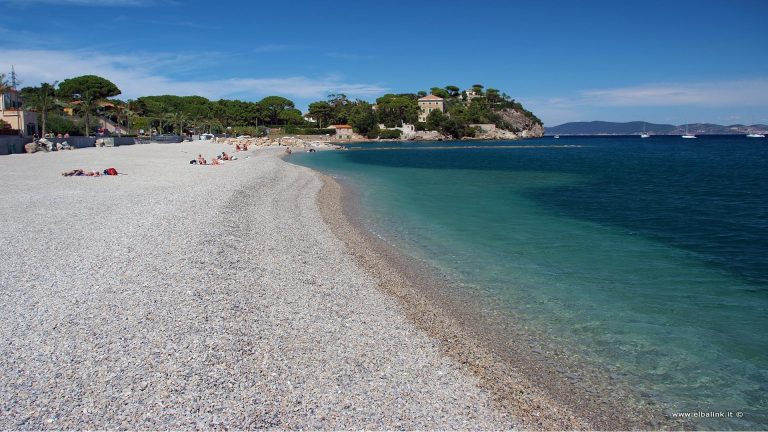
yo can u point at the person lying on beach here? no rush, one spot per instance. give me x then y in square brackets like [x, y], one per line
[79, 172]
[237, 147]
[215, 162]
[201, 160]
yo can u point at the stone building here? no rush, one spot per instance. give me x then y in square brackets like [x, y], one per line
[342, 131]
[429, 103]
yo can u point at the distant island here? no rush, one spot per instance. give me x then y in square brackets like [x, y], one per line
[637, 127]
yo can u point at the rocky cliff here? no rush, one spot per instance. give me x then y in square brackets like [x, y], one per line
[520, 123]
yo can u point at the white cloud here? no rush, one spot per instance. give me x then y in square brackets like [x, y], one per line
[142, 75]
[752, 92]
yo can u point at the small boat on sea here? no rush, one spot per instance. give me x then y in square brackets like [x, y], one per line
[688, 135]
[557, 136]
[644, 134]
[755, 135]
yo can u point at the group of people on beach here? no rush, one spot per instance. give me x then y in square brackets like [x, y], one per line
[218, 160]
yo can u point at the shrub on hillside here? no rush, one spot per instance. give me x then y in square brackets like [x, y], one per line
[390, 133]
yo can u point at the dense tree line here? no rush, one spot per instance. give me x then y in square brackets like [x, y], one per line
[392, 110]
[89, 95]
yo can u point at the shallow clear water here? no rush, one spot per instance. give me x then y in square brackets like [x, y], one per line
[647, 257]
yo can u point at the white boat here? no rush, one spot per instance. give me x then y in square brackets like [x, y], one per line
[687, 135]
[557, 136]
[644, 134]
[755, 135]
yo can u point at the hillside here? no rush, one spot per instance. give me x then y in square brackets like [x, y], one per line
[636, 127]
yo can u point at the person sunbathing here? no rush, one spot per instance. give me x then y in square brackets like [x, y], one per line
[79, 172]
[215, 162]
[201, 160]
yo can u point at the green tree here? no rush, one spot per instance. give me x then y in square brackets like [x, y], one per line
[421, 93]
[362, 118]
[42, 99]
[437, 91]
[322, 112]
[88, 89]
[292, 116]
[435, 120]
[453, 91]
[273, 106]
[395, 109]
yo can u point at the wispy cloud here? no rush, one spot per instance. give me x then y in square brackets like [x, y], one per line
[137, 77]
[752, 92]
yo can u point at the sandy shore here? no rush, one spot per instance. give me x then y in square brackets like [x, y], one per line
[179, 296]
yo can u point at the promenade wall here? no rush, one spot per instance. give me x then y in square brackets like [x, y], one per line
[15, 144]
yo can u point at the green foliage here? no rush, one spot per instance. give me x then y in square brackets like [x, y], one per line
[273, 106]
[421, 93]
[40, 99]
[437, 91]
[435, 120]
[321, 111]
[394, 110]
[362, 118]
[291, 116]
[453, 91]
[390, 133]
[62, 124]
[87, 88]
[420, 126]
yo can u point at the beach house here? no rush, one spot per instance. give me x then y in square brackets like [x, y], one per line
[429, 103]
[16, 120]
[342, 131]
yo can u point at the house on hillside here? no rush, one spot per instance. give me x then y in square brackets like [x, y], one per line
[429, 103]
[471, 94]
[12, 113]
[342, 131]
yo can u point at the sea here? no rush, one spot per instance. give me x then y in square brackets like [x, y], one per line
[648, 257]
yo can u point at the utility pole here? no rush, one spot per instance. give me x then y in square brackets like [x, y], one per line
[14, 81]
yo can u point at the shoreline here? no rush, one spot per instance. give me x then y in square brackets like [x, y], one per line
[179, 296]
[529, 378]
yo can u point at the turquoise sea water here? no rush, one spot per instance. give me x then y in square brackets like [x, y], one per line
[647, 257]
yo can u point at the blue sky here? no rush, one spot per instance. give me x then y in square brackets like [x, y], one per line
[671, 61]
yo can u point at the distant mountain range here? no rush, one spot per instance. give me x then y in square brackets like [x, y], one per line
[636, 127]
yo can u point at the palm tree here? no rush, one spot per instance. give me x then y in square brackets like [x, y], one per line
[178, 119]
[42, 99]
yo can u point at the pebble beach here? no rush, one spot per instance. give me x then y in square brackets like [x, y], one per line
[176, 296]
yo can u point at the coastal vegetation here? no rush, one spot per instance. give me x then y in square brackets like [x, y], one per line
[70, 106]
[462, 109]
